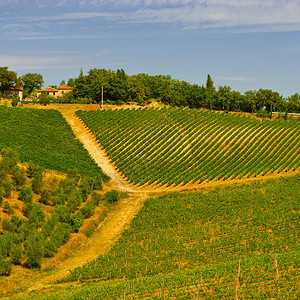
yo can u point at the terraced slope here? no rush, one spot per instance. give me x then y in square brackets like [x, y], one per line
[186, 146]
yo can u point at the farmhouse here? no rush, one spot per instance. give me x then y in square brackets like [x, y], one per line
[15, 91]
[63, 89]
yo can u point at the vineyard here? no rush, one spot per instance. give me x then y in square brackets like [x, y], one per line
[173, 146]
[43, 136]
[232, 242]
[239, 241]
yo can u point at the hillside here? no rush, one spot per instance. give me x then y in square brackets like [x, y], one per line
[190, 245]
[237, 241]
[177, 146]
[44, 136]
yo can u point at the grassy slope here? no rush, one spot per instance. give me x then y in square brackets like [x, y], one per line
[190, 244]
[44, 137]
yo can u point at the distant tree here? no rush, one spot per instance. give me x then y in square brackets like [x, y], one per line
[210, 92]
[8, 79]
[32, 81]
[71, 82]
[268, 99]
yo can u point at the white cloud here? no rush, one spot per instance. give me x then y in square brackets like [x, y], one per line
[254, 15]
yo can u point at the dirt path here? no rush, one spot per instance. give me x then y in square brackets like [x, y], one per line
[106, 235]
[93, 147]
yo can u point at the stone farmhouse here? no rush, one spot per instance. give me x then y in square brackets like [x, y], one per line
[63, 89]
[15, 91]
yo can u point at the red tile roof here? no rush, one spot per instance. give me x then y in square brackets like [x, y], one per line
[50, 89]
[65, 87]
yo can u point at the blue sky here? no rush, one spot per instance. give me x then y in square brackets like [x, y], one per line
[246, 44]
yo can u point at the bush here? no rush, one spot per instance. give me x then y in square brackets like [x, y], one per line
[16, 253]
[7, 208]
[73, 174]
[19, 176]
[36, 215]
[5, 268]
[45, 197]
[25, 194]
[7, 188]
[10, 158]
[114, 196]
[8, 226]
[98, 182]
[34, 250]
[15, 100]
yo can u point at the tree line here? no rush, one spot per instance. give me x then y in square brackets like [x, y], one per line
[119, 88]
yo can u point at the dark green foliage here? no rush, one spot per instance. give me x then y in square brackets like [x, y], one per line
[19, 176]
[10, 158]
[7, 208]
[85, 187]
[36, 215]
[62, 213]
[15, 100]
[5, 267]
[59, 197]
[74, 200]
[26, 194]
[44, 137]
[37, 182]
[16, 253]
[76, 222]
[114, 196]
[34, 249]
[73, 174]
[46, 196]
[9, 226]
[98, 182]
[7, 188]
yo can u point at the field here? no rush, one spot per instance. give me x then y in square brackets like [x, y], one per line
[237, 241]
[187, 244]
[44, 137]
[173, 146]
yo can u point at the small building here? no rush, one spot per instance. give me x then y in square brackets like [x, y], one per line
[16, 90]
[63, 89]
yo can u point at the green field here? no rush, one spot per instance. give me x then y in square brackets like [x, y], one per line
[236, 241]
[189, 244]
[44, 137]
[181, 146]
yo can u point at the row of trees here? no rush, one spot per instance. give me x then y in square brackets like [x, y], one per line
[119, 88]
[142, 87]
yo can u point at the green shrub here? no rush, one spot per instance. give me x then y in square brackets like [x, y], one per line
[10, 158]
[34, 250]
[36, 215]
[45, 197]
[114, 196]
[25, 194]
[98, 182]
[5, 268]
[7, 208]
[8, 226]
[73, 174]
[16, 253]
[7, 187]
[19, 176]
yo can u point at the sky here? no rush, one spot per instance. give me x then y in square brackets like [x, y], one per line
[246, 44]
